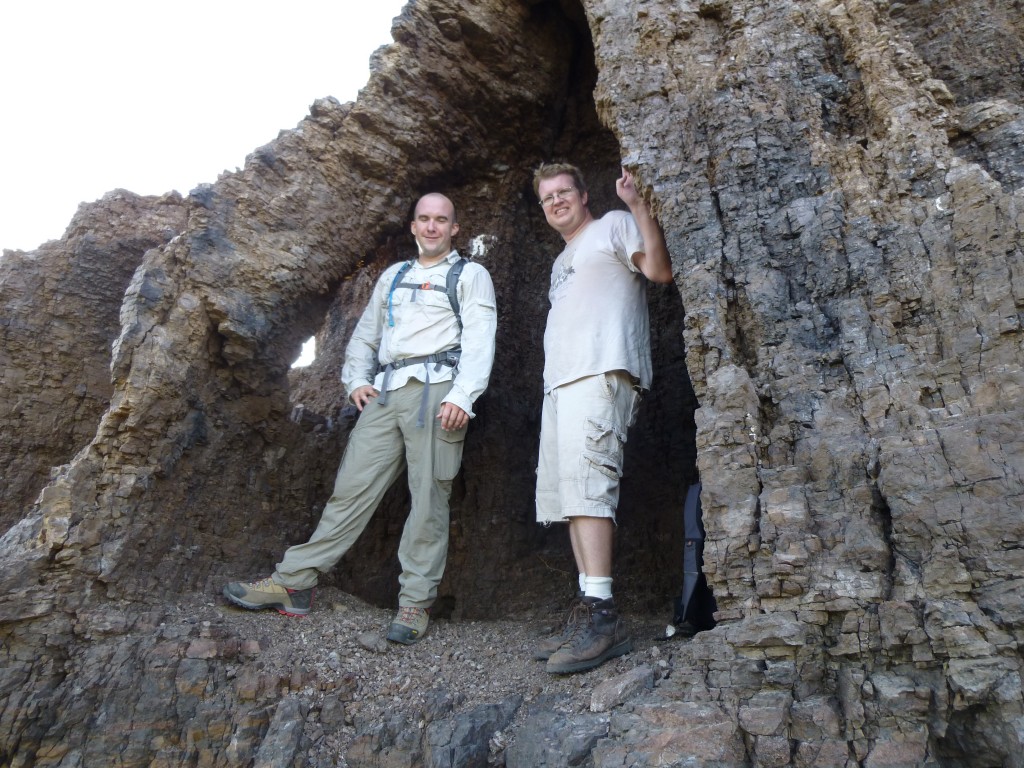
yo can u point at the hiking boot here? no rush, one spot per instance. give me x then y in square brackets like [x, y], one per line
[549, 645]
[267, 593]
[599, 634]
[409, 625]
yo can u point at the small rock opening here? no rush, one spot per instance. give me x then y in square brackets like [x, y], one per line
[307, 355]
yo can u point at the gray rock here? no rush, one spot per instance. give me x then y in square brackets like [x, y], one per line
[283, 743]
[465, 739]
[550, 739]
[616, 690]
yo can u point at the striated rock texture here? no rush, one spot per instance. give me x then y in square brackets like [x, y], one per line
[841, 183]
[60, 316]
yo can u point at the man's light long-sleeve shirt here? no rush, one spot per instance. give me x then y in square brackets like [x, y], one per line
[424, 324]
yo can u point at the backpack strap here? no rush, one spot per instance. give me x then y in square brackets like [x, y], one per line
[394, 284]
[449, 357]
[450, 288]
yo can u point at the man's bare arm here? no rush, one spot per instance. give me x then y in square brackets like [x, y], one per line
[654, 261]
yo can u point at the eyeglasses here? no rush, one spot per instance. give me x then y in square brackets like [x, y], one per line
[558, 194]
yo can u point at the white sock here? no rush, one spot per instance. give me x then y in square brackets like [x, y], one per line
[583, 582]
[598, 586]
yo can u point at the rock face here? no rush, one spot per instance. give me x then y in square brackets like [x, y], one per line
[840, 183]
[60, 316]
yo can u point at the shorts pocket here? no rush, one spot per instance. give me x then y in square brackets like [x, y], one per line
[448, 452]
[602, 461]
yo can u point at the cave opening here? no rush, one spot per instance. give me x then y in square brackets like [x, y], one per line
[500, 561]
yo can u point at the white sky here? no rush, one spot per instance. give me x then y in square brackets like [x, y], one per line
[151, 97]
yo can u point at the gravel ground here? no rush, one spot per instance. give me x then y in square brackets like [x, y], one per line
[337, 659]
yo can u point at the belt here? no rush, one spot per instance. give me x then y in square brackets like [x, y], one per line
[449, 357]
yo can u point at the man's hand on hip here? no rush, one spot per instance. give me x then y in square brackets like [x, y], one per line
[452, 417]
[362, 395]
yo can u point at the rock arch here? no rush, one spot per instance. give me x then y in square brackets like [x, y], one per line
[846, 233]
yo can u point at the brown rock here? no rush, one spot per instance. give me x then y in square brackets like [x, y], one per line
[839, 183]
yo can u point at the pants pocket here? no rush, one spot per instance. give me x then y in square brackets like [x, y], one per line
[448, 453]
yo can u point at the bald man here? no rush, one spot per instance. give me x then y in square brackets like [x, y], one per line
[415, 365]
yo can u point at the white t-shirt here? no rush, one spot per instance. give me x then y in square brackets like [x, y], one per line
[598, 320]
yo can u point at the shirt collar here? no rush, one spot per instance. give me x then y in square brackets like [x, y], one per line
[451, 258]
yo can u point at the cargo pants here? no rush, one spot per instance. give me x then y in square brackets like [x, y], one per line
[385, 441]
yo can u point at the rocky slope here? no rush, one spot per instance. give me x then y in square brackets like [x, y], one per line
[839, 361]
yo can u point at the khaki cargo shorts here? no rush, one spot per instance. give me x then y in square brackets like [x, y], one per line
[582, 442]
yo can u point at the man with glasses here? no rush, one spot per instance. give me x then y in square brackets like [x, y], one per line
[597, 361]
[417, 361]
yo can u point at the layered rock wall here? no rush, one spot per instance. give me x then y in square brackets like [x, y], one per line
[60, 316]
[840, 183]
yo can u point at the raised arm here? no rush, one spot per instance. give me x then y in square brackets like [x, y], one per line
[654, 261]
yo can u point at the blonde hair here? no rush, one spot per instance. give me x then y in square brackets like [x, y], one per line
[550, 170]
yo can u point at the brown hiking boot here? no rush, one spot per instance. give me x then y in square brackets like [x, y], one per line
[599, 634]
[549, 645]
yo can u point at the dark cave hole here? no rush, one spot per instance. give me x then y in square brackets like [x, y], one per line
[500, 561]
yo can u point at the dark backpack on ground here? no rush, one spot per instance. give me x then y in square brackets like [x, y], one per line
[695, 607]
